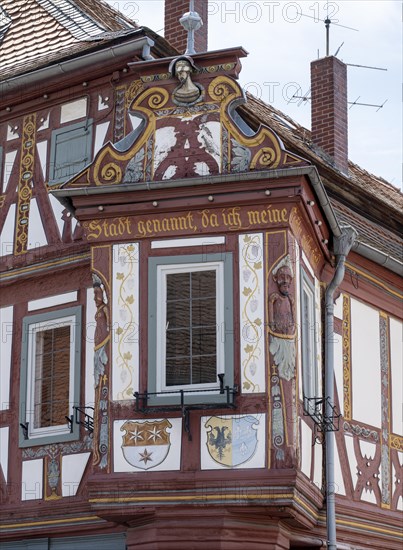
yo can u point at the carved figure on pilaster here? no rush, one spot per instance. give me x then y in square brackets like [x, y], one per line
[101, 341]
[187, 92]
[101, 330]
[282, 320]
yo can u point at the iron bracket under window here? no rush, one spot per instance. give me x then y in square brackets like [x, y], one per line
[82, 418]
[316, 408]
[24, 428]
[142, 402]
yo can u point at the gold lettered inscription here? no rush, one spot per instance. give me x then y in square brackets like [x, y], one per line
[307, 242]
[225, 219]
[117, 227]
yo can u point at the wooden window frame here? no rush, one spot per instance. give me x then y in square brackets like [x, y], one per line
[31, 326]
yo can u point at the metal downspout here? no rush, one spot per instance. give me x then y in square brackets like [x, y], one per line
[341, 248]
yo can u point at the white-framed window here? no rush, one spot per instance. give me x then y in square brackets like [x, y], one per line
[190, 323]
[50, 375]
[309, 335]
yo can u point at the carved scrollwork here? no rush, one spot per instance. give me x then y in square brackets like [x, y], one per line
[265, 158]
[111, 173]
[222, 88]
[158, 97]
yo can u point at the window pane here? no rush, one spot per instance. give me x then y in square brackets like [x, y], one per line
[204, 370]
[203, 284]
[177, 372]
[178, 286]
[52, 371]
[204, 312]
[178, 343]
[204, 341]
[178, 314]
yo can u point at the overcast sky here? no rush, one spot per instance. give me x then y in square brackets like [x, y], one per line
[282, 42]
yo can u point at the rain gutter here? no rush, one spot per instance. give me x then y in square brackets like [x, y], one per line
[341, 247]
[80, 63]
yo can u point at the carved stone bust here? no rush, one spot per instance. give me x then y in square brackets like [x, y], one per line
[182, 68]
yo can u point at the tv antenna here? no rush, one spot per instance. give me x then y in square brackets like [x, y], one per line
[327, 21]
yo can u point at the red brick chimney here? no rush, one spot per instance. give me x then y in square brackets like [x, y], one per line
[329, 109]
[175, 33]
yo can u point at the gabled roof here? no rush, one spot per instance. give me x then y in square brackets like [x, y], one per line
[34, 33]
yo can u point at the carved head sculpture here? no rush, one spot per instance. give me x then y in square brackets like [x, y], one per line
[99, 292]
[284, 280]
[283, 276]
[182, 68]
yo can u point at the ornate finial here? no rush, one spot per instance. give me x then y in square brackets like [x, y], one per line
[191, 22]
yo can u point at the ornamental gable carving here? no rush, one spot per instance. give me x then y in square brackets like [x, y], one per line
[188, 126]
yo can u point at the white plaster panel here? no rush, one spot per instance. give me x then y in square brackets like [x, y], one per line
[399, 504]
[36, 231]
[73, 110]
[51, 301]
[73, 467]
[396, 356]
[89, 349]
[145, 450]
[306, 449]
[367, 449]
[102, 102]
[246, 441]
[44, 122]
[352, 461]
[4, 451]
[6, 341]
[135, 120]
[169, 172]
[9, 159]
[100, 133]
[338, 366]
[32, 479]
[251, 311]
[297, 282]
[180, 243]
[338, 474]
[58, 209]
[42, 147]
[165, 141]
[12, 132]
[366, 369]
[338, 307]
[7, 235]
[125, 321]
[317, 467]
[368, 495]
[202, 168]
